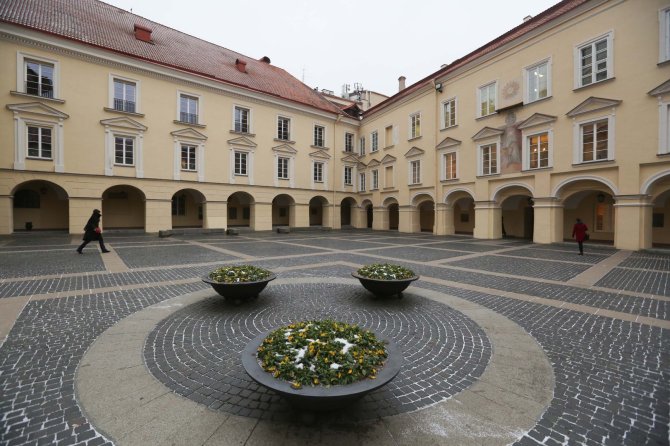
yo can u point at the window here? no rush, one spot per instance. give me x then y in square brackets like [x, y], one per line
[362, 145]
[347, 175]
[489, 159]
[389, 137]
[594, 140]
[348, 142]
[538, 151]
[374, 141]
[282, 168]
[450, 166]
[388, 177]
[246, 213]
[603, 217]
[415, 172]
[39, 142]
[319, 135]
[240, 163]
[415, 125]
[125, 94]
[375, 179]
[537, 82]
[188, 109]
[242, 116]
[188, 157]
[232, 213]
[487, 99]
[39, 78]
[318, 172]
[179, 205]
[594, 61]
[29, 199]
[664, 35]
[124, 150]
[283, 128]
[449, 113]
[361, 182]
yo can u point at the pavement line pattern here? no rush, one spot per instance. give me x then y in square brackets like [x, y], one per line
[592, 275]
[113, 263]
[129, 406]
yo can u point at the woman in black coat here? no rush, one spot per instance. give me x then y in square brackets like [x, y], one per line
[92, 232]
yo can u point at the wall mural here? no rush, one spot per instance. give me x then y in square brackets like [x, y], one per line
[510, 150]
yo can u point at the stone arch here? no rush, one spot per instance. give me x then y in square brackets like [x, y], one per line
[318, 210]
[347, 207]
[460, 211]
[591, 199]
[283, 210]
[454, 195]
[561, 187]
[123, 207]
[368, 207]
[657, 188]
[240, 209]
[188, 208]
[40, 205]
[420, 197]
[392, 209]
[508, 189]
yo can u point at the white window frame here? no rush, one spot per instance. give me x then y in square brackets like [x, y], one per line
[238, 172]
[375, 180]
[21, 80]
[349, 169]
[361, 182]
[361, 145]
[392, 166]
[415, 172]
[283, 167]
[609, 37]
[317, 171]
[578, 152]
[194, 148]
[526, 148]
[288, 128]
[40, 156]
[664, 34]
[112, 79]
[414, 129]
[349, 142]
[664, 127]
[480, 98]
[394, 136]
[198, 115]
[443, 168]
[323, 135]
[528, 72]
[124, 137]
[248, 111]
[480, 158]
[454, 114]
[607, 220]
[374, 141]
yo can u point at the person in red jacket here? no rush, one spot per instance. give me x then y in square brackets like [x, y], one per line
[579, 234]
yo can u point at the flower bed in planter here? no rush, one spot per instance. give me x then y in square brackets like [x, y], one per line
[384, 279]
[321, 365]
[239, 282]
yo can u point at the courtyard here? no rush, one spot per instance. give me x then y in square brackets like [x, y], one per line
[504, 341]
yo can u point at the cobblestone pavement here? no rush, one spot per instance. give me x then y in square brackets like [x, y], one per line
[608, 343]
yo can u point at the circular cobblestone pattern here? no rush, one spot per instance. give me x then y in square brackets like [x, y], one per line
[196, 352]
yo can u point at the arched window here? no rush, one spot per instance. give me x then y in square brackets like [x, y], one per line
[26, 199]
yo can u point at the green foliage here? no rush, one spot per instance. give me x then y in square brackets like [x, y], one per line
[239, 273]
[385, 271]
[311, 353]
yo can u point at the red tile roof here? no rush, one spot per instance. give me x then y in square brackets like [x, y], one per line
[541, 19]
[108, 27]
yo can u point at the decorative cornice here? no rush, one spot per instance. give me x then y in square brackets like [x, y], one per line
[487, 132]
[123, 122]
[189, 133]
[593, 104]
[447, 143]
[664, 88]
[414, 151]
[536, 119]
[37, 108]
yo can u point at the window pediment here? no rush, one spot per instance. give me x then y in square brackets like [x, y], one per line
[37, 108]
[414, 151]
[319, 154]
[447, 143]
[487, 132]
[537, 119]
[374, 163]
[664, 88]
[189, 133]
[593, 104]
[285, 149]
[350, 159]
[361, 166]
[388, 159]
[242, 141]
[124, 123]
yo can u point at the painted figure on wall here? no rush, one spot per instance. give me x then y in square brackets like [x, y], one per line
[511, 145]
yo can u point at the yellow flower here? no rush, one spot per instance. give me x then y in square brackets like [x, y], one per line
[315, 381]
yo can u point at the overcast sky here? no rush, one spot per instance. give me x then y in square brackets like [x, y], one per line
[327, 44]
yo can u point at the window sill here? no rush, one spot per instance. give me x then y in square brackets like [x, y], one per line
[531, 170]
[348, 185]
[124, 165]
[318, 181]
[481, 118]
[243, 133]
[283, 179]
[189, 124]
[488, 175]
[663, 155]
[34, 96]
[37, 158]
[415, 185]
[415, 138]
[449, 128]
[609, 79]
[285, 141]
[240, 175]
[374, 151]
[450, 180]
[389, 147]
[189, 170]
[319, 147]
[122, 112]
[390, 188]
[538, 100]
[593, 163]
[663, 63]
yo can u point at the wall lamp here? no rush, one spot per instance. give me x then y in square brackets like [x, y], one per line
[438, 87]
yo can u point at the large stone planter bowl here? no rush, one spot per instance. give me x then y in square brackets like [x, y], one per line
[320, 398]
[240, 290]
[382, 288]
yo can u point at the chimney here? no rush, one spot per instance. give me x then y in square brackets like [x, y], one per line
[241, 65]
[265, 59]
[142, 33]
[527, 18]
[401, 83]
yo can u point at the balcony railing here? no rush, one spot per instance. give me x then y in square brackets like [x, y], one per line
[39, 89]
[191, 118]
[122, 105]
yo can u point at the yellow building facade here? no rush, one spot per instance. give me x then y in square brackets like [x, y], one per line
[566, 116]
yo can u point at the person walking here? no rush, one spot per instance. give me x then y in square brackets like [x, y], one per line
[92, 232]
[579, 234]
